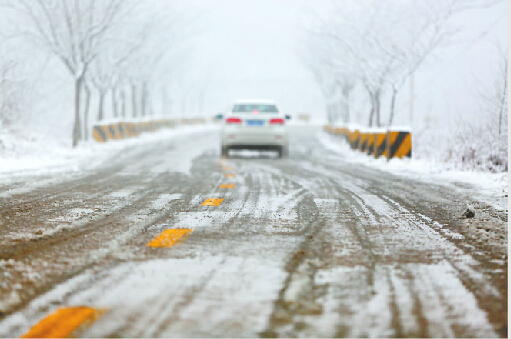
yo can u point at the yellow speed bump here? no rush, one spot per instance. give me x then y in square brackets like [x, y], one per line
[212, 202]
[169, 238]
[229, 175]
[227, 168]
[64, 321]
[227, 186]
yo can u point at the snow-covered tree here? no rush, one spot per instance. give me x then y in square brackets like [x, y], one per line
[379, 44]
[72, 30]
[482, 143]
[13, 89]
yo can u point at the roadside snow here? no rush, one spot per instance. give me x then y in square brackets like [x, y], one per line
[491, 188]
[38, 157]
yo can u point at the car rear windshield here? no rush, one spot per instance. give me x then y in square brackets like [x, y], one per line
[249, 108]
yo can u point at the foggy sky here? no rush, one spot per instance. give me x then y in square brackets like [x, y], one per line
[249, 49]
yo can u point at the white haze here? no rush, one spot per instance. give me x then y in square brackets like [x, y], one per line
[241, 49]
[249, 49]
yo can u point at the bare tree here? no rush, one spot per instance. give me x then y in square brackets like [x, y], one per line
[72, 30]
[494, 100]
[12, 91]
[115, 105]
[86, 88]
[380, 44]
[100, 75]
[104, 72]
[123, 101]
[483, 143]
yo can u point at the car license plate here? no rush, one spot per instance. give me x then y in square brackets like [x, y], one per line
[255, 122]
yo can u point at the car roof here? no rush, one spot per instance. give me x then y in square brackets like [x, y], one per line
[254, 101]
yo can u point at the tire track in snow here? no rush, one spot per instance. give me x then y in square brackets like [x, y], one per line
[383, 233]
[436, 246]
[71, 243]
[193, 297]
[70, 194]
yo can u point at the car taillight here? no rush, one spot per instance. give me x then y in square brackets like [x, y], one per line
[277, 121]
[233, 121]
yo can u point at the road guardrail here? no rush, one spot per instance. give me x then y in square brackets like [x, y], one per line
[107, 130]
[392, 142]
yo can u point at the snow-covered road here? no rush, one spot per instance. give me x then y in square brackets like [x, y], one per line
[311, 246]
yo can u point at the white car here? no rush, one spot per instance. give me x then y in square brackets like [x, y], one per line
[254, 124]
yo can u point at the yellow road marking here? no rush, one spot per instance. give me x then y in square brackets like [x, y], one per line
[229, 175]
[64, 321]
[170, 237]
[212, 202]
[227, 168]
[228, 186]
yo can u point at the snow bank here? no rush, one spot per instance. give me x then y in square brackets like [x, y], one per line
[491, 188]
[37, 154]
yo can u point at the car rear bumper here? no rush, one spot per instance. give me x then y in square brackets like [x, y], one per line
[276, 137]
[253, 143]
[256, 147]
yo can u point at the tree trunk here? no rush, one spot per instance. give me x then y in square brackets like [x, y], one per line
[86, 112]
[392, 106]
[329, 114]
[346, 103]
[371, 114]
[123, 103]
[348, 112]
[100, 106]
[114, 103]
[503, 98]
[377, 107]
[134, 101]
[143, 99]
[77, 127]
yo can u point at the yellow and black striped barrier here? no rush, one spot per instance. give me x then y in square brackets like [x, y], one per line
[106, 131]
[99, 133]
[353, 138]
[377, 142]
[379, 145]
[398, 144]
[115, 131]
[362, 141]
[370, 143]
[192, 121]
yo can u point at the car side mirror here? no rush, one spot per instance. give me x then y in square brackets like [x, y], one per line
[288, 117]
